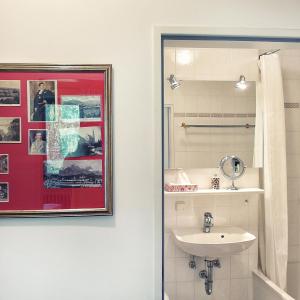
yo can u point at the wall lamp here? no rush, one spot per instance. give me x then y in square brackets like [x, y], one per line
[241, 84]
[173, 82]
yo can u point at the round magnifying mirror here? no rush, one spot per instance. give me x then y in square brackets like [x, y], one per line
[232, 168]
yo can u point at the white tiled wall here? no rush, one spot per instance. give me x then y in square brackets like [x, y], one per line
[233, 279]
[204, 147]
[215, 63]
[291, 73]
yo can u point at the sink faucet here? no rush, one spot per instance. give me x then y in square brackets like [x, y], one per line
[208, 222]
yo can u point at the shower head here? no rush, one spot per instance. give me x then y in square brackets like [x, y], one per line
[174, 83]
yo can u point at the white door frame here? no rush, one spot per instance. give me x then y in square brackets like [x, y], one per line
[158, 32]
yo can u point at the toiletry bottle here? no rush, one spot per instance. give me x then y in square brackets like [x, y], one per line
[215, 182]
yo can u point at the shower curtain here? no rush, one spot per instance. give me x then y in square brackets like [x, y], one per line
[258, 154]
[273, 242]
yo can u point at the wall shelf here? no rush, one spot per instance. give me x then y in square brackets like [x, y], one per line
[217, 192]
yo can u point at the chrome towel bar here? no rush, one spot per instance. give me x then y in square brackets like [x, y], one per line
[184, 125]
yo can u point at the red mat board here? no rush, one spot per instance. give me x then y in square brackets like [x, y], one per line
[26, 172]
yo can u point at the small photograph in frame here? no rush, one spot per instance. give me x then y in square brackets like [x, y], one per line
[10, 94]
[73, 173]
[10, 130]
[4, 165]
[80, 141]
[4, 192]
[37, 141]
[40, 95]
[89, 106]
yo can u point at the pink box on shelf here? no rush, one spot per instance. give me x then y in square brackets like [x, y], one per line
[181, 187]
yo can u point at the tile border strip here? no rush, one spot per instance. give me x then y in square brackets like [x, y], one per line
[213, 115]
[290, 105]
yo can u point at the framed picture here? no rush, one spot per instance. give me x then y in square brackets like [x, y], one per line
[89, 106]
[37, 142]
[10, 93]
[10, 130]
[81, 141]
[40, 95]
[73, 174]
[62, 166]
[4, 192]
[4, 164]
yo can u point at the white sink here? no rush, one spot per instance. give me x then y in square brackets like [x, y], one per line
[221, 241]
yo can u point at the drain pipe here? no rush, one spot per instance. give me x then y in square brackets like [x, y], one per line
[208, 274]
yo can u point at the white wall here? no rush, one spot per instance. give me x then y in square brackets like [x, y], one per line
[106, 258]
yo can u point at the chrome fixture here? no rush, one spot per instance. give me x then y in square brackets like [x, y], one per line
[192, 262]
[247, 126]
[173, 82]
[208, 274]
[232, 167]
[241, 84]
[208, 222]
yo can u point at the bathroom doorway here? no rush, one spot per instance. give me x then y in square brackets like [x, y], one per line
[209, 92]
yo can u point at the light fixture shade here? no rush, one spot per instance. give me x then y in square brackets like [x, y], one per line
[173, 82]
[241, 84]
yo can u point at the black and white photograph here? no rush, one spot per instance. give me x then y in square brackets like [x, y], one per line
[68, 113]
[37, 141]
[41, 97]
[89, 106]
[80, 141]
[10, 130]
[73, 173]
[4, 168]
[4, 192]
[10, 93]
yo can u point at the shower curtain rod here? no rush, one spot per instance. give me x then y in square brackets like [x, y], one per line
[268, 53]
[184, 125]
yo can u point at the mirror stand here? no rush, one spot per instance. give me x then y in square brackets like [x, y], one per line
[232, 187]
